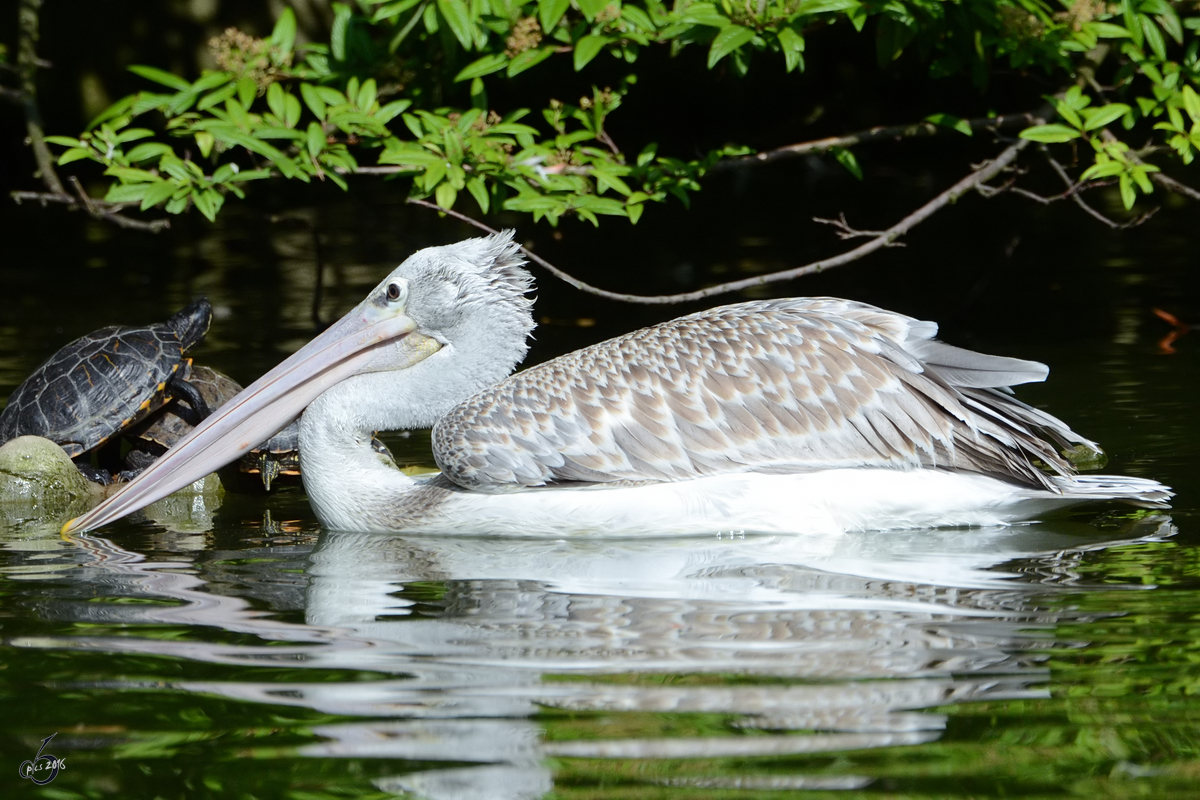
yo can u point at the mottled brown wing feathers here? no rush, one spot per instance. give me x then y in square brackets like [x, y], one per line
[772, 386]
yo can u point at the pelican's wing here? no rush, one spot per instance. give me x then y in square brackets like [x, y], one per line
[779, 385]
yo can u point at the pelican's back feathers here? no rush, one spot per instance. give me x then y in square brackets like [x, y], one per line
[770, 386]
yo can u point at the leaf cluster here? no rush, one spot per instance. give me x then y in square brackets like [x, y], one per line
[376, 95]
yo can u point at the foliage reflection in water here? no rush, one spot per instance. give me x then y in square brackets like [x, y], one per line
[476, 668]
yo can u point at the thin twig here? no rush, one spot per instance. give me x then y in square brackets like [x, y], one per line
[1172, 185]
[1073, 190]
[97, 209]
[975, 179]
[844, 231]
[873, 135]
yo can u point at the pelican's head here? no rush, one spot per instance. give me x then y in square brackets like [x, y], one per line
[465, 297]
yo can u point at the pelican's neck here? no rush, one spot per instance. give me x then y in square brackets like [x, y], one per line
[351, 486]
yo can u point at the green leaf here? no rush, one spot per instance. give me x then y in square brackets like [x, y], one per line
[209, 203]
[1142, 180]
[478, 190]
[705, 14]
[950, 121]
[728, 40]
[316, 139]
[847, 160]
[144, 152]
[1154, 38]
[74, 154]
[483, 66]
[115, 110]
[1106, 30]
[291, 110]
[247, 89]
[1106, 169]
[445, 195]
[366, 95]
[126, 192]
[275, 100]
[458, 17]
[1132, 25]
[65, 141]
[550, 12]
[161, 76]
[591, 8]
[157, 192]
[1191, 103]
[1128, 193]
[588, 48]
[825, 6]
[391, 110]
[1050, 134]
[284, 34]
[216, 98]
[638, 18]
[606, 179]
[337, 35]
[891, 37]
[513, 129]
[392, 9]
[204, 141]
[528, 60]
[313, 100]
[1099, 117]
[792, 45]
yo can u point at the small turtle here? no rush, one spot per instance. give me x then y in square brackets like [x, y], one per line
[279, 456]
[102, 383]
[276, 457]
[155, 434]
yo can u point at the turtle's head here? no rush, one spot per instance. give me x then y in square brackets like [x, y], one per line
[191, 324]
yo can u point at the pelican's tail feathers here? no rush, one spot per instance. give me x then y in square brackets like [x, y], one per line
[1137, 491]
[960, 367]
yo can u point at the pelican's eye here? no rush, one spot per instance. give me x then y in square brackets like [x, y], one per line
[397, 292]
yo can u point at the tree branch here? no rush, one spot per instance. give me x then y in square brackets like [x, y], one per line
[97, 209]
[977, 178]
[873, 135]
[27, 66]
[1172, 185]
[1073, 190]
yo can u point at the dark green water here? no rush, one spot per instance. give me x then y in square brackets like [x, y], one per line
[234, 649]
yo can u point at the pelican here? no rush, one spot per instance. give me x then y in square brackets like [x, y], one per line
[795, 415]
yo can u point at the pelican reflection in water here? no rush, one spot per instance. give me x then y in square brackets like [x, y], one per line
[793, 415]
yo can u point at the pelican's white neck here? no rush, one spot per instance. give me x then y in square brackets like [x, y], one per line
[349, 484]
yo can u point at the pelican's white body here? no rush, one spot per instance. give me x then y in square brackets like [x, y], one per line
[352, 488]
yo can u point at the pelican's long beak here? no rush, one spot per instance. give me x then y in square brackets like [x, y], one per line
[257, 413]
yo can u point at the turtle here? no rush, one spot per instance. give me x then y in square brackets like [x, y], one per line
[154, 435]
[276, 457]
[279, 456]
[101, 383]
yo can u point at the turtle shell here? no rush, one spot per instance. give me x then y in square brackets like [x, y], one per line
[103, 382]
[162, 430]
